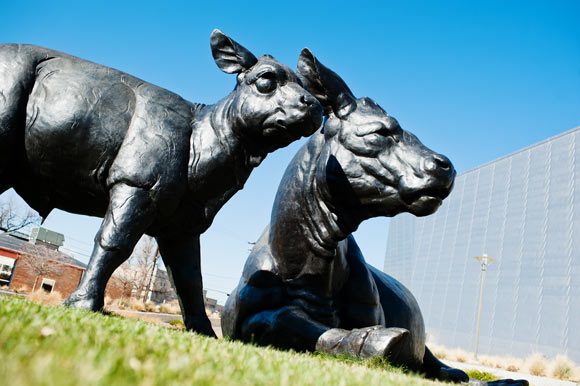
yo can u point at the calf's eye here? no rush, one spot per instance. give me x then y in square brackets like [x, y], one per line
[266, 83]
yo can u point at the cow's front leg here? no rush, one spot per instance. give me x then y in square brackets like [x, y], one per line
[181, 256]
[289, 327]
[129, 214]
[374, 341]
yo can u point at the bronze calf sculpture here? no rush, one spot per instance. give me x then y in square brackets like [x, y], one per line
[305, 284]
[92, 140]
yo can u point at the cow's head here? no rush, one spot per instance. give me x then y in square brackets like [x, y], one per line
[369, 165]
[269, 105]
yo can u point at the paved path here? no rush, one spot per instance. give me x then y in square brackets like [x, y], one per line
[166, 318]
[10, 293]
[501, 373]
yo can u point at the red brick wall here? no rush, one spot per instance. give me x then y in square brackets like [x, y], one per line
[113, 291]
[66, 278]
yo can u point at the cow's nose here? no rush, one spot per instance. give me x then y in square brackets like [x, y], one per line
[438, 164]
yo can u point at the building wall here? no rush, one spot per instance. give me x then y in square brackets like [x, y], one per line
[523, 210]
[66, 277]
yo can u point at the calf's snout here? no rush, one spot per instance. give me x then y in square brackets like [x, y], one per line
[308, 100]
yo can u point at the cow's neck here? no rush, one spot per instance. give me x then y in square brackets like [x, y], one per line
[305, 229]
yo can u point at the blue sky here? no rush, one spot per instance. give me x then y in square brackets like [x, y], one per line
[473, 80]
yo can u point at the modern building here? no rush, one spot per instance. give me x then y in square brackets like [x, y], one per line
[522, 209]
[161, 289]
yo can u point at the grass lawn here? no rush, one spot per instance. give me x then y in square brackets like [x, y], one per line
[46, 345]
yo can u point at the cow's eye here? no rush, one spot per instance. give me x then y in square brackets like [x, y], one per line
[384, 132]
[378, 129]
[266, 82]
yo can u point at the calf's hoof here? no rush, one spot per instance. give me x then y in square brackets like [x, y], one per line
[84, 302]
[200, 325]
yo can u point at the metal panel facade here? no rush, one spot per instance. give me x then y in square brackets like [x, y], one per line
[522, 209]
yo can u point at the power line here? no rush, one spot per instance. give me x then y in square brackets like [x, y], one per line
[75, 251]
[221, 292]
[67, 238]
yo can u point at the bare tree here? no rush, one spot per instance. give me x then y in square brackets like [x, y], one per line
[124, 278]
[144, 261]
[137, 272]
[12, 219]
[39, 260]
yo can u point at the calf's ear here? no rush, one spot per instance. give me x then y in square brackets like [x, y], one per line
[230, 56]
[325, 85]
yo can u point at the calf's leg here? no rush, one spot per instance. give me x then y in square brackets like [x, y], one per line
[129, 214]
[181, 256]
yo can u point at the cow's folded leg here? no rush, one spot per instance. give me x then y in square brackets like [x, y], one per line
[129, 214]
[287, 327]
[181, 256]
[367, 342]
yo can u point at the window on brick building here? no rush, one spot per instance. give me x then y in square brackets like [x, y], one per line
[5, 273]
[6, 265]
[47, 285]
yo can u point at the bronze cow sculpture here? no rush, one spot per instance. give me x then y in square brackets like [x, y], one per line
[92, 140]
[305, 284]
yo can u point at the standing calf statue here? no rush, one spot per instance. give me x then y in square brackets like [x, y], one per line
[305, 284]
[92, 140]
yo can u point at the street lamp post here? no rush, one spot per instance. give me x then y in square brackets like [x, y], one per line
[485, 259]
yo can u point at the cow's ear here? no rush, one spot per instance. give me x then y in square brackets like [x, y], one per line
[230, 56]
[325, 85]
[308, 74]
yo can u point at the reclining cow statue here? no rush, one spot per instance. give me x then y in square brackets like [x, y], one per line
[92, 140]
[305, 285]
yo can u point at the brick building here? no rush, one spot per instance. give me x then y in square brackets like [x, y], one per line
[28, 263]
[32, 262]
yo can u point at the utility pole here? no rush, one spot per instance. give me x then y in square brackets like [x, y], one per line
[485, 259]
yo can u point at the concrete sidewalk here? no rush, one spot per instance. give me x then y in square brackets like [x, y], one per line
[504, 374]
[166, 318]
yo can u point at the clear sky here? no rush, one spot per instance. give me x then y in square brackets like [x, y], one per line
[473, 80]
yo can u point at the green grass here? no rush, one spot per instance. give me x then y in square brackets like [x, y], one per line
[43, 345]
[481, 375]
[372, 363]
[177, 322]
